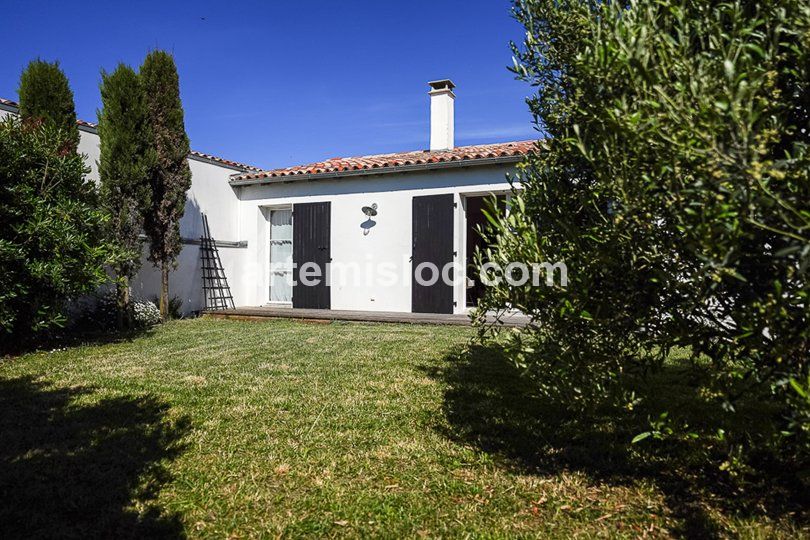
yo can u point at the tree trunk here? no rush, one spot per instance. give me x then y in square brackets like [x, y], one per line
[122, 303]
[164, 292]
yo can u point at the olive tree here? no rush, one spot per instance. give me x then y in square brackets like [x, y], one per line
[674, 183]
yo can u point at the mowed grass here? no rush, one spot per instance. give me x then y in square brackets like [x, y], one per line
[209, 428]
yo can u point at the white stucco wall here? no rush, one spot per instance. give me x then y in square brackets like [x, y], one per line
[89, 146]
[210, 194]
[389, 241]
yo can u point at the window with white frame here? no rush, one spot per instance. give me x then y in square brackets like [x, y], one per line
[280, 255]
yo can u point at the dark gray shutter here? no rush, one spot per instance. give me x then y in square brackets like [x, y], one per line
[311, 243]
[432, 242]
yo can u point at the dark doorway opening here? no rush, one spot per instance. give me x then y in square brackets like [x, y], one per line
[476, 220]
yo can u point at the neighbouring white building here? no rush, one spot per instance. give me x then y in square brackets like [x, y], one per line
[364, 224]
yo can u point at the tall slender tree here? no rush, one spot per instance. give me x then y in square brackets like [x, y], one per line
[126, 159]
[170, 177]
[45, 96]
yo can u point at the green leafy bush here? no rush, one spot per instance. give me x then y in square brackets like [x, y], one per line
[674, 184]
[102, 314]
[175, 306]
[51, 245]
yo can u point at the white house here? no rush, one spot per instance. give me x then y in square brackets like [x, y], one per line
[361, 224]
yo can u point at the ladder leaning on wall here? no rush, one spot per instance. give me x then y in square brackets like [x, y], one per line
[216, 292]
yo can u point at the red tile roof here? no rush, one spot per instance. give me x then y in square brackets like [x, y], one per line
[216, 159]
[382, 163]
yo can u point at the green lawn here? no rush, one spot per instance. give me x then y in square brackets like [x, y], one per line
[209, 428]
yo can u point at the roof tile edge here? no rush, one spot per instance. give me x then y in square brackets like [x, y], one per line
[459, 156]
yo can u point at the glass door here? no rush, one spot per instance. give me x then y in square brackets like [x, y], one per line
[281, 256]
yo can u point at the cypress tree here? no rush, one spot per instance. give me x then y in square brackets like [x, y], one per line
[170, 177]
[126, 158]
[45, 96]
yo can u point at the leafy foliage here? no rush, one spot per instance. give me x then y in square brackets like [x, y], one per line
[45, 96]
[102, 314]
[170, 177]
[51, 241]
[126, 159]
[674, 184]
[175, 306]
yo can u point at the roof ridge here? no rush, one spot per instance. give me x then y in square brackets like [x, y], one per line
[388, 154]
[211, 157]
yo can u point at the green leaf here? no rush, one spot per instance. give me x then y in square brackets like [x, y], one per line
[798, 388]
[641, 436]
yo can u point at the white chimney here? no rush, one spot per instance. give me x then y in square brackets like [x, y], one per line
[442, 115]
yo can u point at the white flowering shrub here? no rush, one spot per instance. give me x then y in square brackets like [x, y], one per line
[145, 313]
[105, 312]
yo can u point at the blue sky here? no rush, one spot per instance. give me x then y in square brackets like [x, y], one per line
[277, 83]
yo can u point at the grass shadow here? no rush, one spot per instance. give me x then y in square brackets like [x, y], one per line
[489, 404]
[71, 337]
[75, 467]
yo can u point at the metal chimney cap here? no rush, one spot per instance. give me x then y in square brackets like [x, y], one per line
[442, 84]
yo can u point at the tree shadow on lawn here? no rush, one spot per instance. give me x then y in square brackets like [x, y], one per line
[489, 404]
[76, 469]
[72, 337]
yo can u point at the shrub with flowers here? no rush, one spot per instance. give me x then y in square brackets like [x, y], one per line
[145, 313]
[103, 314]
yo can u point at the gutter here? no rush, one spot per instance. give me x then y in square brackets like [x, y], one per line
[236, 181]
[9, 108]
[195, 157]
[198, 242]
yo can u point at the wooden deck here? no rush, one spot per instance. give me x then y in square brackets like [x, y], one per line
[328, 315]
